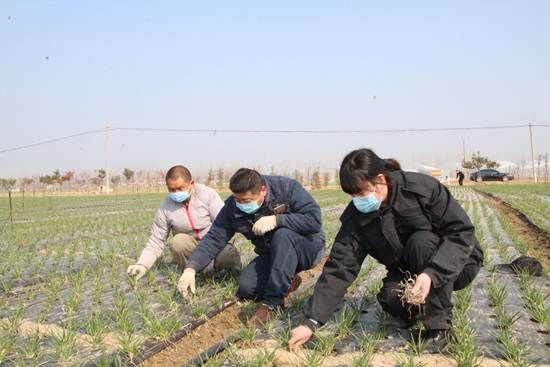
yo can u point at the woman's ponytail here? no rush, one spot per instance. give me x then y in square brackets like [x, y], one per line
[391, 164]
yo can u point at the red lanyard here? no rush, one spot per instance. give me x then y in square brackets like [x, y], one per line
[197, 232]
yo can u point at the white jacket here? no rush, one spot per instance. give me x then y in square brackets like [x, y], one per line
[193, 219]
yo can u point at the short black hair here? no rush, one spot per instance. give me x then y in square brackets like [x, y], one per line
[244, 180]
[178, 171]
[363, 165]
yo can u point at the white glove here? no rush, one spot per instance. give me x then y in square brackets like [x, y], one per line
[264, 225]
[187, 281]
[136, 271]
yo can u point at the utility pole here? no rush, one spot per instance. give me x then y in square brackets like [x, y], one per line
[532, 152]
[107, 175]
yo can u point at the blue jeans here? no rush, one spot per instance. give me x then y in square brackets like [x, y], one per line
[269, 275]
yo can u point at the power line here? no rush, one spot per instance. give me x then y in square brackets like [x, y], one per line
[337, 131]
[272, 131]
[43, 142]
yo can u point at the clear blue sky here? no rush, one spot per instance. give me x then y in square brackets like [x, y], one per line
[69, 66]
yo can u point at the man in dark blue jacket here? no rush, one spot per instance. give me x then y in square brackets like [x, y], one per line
[282, 220]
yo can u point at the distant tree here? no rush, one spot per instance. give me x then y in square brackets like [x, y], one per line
[99, 180]
[540, 159]
[46, 180]
[316, 179]
[220, 176]
[337, 176]
[326, 179]
[8, 183]
[115, 180]
[67, 176]
[96, 181]
[54, 178]
[26, 182]
[210, 177]
[546, 167]
[298, 176]
[478, 162]
[128, 174]
[272, 171]
[521, 167]
[82, 179]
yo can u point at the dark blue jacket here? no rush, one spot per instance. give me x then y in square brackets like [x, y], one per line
[303, 216]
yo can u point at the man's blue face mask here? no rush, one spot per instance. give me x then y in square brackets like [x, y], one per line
[179, 196]
[366, 204]
[248, 208]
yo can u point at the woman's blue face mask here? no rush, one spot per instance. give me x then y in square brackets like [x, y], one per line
[367, 204]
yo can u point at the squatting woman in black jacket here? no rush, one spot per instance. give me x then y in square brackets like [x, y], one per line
[410, 223]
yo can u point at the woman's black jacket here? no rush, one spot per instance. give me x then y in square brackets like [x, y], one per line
[417, 203]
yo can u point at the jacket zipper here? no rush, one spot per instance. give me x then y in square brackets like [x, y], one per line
[197, 232]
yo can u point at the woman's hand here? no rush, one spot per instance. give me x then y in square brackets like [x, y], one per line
[422, 284]
[299, 336]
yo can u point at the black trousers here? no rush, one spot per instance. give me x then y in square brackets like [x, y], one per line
[437, 311]
[268, 276]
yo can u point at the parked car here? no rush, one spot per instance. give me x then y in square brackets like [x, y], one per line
[490, 175]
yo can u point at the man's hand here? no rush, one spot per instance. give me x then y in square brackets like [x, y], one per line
[187, 282]
[136, 271]
[423, 283]
[298, 337]
[264, 225]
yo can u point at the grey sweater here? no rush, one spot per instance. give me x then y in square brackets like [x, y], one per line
[194, 219]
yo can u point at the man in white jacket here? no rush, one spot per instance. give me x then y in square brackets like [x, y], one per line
[188, 213]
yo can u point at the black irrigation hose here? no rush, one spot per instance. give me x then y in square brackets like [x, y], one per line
[214, 349]
[202, 356]
[159, 346]
[218, 347]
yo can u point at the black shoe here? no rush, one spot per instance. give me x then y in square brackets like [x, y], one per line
[430, 341]
[404, 323]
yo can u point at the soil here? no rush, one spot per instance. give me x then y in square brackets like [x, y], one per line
[217, 328]
[381, 359]
[212, 331]
[83, 340]
[536, 238]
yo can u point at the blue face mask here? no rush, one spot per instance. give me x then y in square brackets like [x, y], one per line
[366, 204]
[248, 208]
[179, 196]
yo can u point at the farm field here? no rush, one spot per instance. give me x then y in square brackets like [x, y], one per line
[112, 110]
[532, 200]
[65, 298]
[498, 320]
